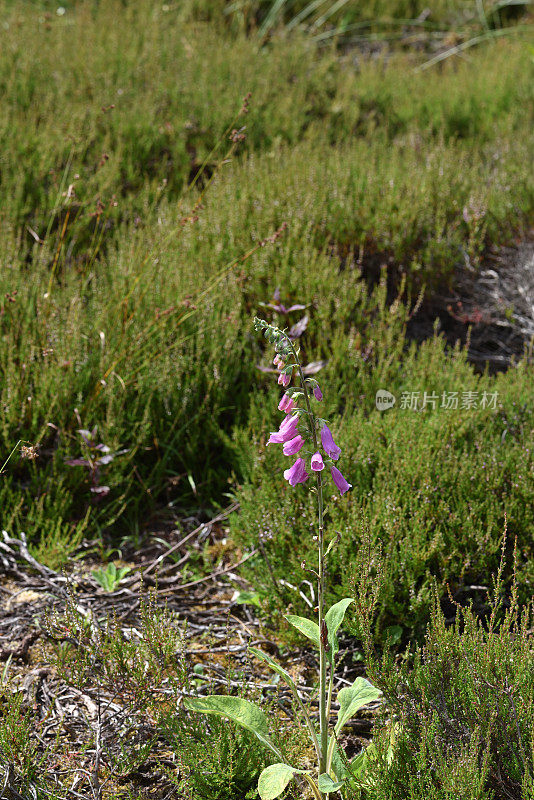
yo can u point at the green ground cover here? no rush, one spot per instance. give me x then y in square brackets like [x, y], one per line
[126, 312]
[114, 317]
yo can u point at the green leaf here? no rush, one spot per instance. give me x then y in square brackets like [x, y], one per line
[250, 598]
[274, 779]
[240, 711]
[290, 682]
[359, 766]
[338, 763]
[354, 697]
[274, 666]
[394, 634]
[326, 784]
[305, 626]
[393, 736]
[110, 578]
[332, 544]
[333, 618]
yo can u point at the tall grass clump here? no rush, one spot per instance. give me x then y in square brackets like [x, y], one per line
[393, 24]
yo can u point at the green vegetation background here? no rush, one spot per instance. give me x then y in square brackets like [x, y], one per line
[127, 309]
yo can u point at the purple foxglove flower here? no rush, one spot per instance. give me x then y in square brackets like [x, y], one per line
[328, 443]
[286, 404]
[284, 380]
[340, 481]
[287, 430]
[293, 446]
[297, 473]
[317, 463]
[317, 392]
[279, 437]
[289, 422]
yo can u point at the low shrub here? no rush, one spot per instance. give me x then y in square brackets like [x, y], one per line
[217, 759]
[459, 715]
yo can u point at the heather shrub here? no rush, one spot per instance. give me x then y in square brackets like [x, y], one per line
[459, 714]
[217, 759]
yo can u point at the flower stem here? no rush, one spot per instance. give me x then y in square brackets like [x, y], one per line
[323, 701]
[323, 718]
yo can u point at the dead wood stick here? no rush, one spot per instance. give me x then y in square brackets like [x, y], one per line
[20, 650]
[209, 577]
[223, 515]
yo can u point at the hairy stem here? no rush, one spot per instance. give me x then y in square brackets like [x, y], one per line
[313, 786]
[323, 718]
[323, 702]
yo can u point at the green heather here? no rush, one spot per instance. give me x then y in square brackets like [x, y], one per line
[127, 308]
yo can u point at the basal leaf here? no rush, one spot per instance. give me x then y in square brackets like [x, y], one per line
[326, 784]
[354, 697]
[338, 763]
[274, 779]
[333, 618]
[305, 626]
[274, 666]
[359, 766]
[242, 712]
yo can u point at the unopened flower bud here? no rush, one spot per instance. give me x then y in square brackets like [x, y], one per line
[284, 380]
[317, 392]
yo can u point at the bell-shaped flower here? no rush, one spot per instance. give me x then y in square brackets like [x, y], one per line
[286, 404]
[287, 430]
[297, 473]
[342, 484]
[317, 392]
[292, 447]
[328, 443]
[317, 463]
[289, 422]
[284, 380]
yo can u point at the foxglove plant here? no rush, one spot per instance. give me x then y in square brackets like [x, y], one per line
[300, 427]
